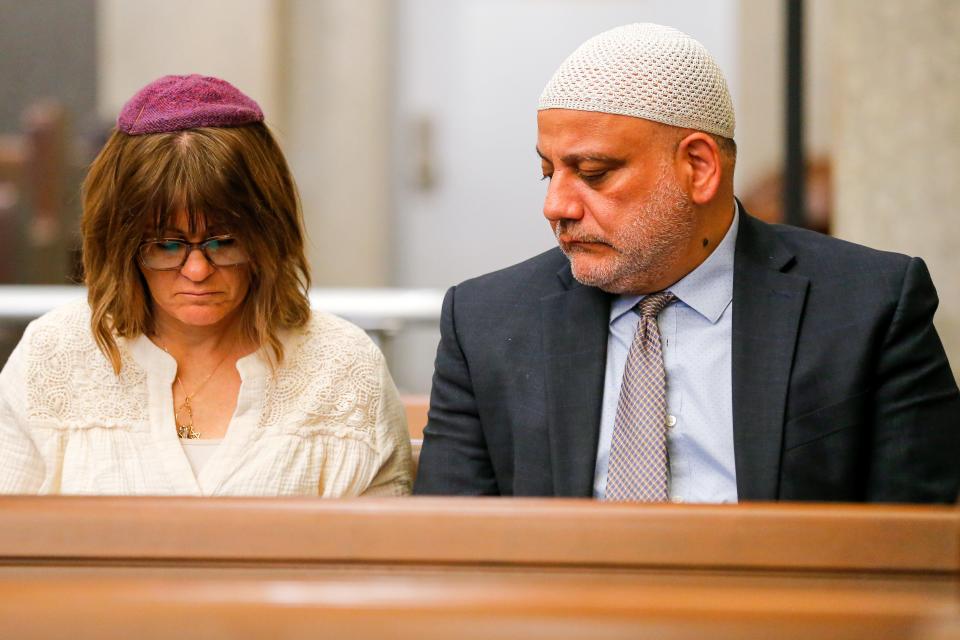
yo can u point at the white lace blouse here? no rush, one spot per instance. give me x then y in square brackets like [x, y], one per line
[328, 422]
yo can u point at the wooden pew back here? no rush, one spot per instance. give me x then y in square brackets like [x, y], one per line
[472, 568]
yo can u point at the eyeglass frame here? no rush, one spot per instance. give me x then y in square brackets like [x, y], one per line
[191, 247]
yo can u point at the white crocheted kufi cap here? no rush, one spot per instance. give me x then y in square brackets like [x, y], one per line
[646, 71]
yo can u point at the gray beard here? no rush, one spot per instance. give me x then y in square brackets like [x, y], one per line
[646, 247]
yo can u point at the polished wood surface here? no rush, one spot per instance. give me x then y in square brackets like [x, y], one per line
[485, 531]
[415, 407]
[104, 567]
[416, 445]
[444, 607]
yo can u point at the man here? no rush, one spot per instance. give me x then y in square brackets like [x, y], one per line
[673, 347]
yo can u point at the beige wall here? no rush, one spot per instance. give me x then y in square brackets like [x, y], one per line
[897, 148]
[319, 70]
[238, 40]
[338, 109]
[760, 105]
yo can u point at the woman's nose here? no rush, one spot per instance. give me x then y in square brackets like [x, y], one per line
[196, 268]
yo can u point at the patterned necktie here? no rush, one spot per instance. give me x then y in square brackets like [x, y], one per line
[639, 468]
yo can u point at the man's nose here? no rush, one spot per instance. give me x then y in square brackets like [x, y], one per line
[562, 201]
[196, 268]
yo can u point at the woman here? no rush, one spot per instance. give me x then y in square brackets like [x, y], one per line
[196, 365]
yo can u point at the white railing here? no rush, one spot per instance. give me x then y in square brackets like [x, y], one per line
[381, 311]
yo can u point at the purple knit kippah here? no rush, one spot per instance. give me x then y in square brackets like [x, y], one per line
[173, 103]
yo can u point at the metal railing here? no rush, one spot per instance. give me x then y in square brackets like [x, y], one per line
[380, 312]
[371, 309]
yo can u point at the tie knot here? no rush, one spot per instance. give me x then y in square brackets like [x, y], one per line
[653, 304]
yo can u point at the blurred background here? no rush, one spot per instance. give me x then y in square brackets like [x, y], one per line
[410, 124]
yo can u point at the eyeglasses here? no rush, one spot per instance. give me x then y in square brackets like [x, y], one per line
[168, 254]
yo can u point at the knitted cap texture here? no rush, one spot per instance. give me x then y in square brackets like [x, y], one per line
[646, 71]
[174, 103]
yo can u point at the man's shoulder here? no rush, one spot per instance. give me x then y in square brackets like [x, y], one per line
[816, 254]
[536, 274]
[804, 241]
[841, 274]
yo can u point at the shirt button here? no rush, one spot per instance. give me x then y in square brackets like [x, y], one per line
[671, 420]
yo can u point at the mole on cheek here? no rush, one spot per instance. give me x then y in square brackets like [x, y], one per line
[705, 242]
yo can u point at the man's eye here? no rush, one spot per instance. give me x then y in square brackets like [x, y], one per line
[593, 176]
[546, 176]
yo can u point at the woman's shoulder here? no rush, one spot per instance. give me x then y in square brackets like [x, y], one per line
[63, 337]
[68, 380]
[330, 381]
[327, 332]
[331, 350]
[66, 326]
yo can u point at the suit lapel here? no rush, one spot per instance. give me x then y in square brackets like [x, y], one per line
[574, 325]
[768, 303]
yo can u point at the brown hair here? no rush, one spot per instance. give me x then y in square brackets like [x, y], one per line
[233, 177]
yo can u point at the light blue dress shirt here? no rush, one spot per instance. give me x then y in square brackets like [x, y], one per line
[696, 342]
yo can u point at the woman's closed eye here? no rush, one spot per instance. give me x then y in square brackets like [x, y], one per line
[221, 243]
[170, 246]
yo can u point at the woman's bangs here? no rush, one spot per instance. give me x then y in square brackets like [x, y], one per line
[197, 189]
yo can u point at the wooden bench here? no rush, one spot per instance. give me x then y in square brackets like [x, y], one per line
[473, 568]
[415, 407]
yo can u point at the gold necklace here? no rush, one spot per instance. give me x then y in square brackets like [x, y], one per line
[185, 428]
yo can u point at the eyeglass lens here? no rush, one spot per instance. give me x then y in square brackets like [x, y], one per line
[172, 254]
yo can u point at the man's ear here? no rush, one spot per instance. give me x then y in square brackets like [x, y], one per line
[700, 166]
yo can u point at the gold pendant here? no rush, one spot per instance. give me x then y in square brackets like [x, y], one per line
[185, 427]
[186, 431]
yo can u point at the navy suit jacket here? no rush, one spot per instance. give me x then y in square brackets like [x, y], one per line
[841, 388]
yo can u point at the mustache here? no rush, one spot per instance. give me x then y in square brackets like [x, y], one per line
[567, 228]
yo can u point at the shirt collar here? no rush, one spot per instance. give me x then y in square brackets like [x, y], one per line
[708, 289]
[154, 359]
